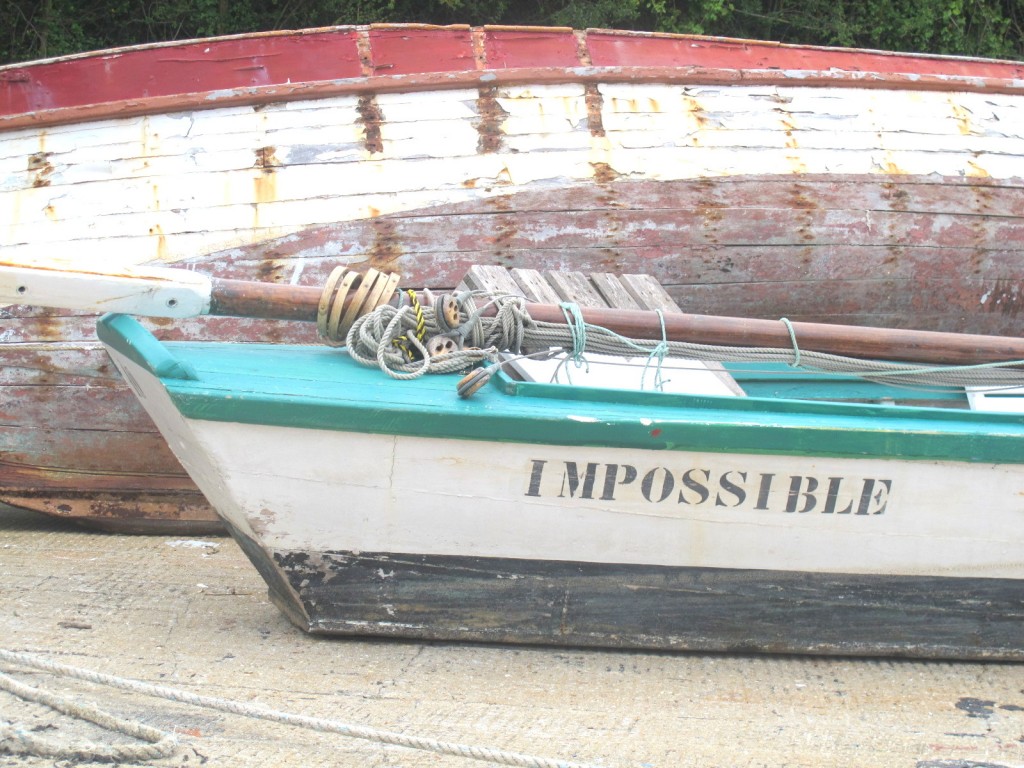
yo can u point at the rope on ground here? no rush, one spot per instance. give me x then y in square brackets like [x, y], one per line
[472, 752]
[18, 740]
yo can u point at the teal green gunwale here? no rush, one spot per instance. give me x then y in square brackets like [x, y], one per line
[321, 388]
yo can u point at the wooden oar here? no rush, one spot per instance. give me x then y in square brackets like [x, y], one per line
[152, 292]
[164, 292]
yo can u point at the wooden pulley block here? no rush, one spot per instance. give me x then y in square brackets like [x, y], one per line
[443, 344]
[473, 381]
[446, 313]
[347, 296]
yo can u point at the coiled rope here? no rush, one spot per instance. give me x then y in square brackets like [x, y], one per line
[371, 339]
[512, 330]
[13, 739]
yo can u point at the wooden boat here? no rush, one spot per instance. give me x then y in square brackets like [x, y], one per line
[854, 186]
[803, 511]
[542, 513]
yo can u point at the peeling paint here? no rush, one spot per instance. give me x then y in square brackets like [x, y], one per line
[976, 171]
[1005, 297]
[962, 115]
[604, 173]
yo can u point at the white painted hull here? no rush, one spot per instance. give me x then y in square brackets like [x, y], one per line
[302, 490]
[163, 188]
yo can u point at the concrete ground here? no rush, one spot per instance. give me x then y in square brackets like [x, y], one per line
[193, 614]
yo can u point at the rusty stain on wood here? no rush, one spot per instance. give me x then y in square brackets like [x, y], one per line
[604, 173]
[595, 107]
[270, 270]
[364, 52]
[896, 194]
[386, 248]
[489, 126]
[266, 159]
[696, 111]
[976, 171]
[582, 49]
[479, 43]
[506, 227]
[265, 182]
[40, 167]
[962, 115]
[371, 117]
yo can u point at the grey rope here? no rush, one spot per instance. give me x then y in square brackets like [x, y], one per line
[484, 754]
[792, 339]
[20, 741]
[605, 341]
[369, 342]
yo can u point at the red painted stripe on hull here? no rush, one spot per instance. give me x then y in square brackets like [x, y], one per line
[278, 66]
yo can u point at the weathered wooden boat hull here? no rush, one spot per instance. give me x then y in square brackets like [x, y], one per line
[549, 514]
[653, 607]
[855, 186]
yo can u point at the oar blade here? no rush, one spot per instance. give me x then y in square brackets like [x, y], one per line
[150, 292]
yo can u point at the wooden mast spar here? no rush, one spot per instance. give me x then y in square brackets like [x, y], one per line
[164, 292]
[252, 299]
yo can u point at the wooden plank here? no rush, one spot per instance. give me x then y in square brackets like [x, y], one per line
[613, 291]
[482, 277]
[186, 198]
[648, 293]
[535, 286]
[575, 287]
[283, 62]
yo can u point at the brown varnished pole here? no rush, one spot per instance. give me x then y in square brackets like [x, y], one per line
[932, 347]
[290, 302]
[270, 301]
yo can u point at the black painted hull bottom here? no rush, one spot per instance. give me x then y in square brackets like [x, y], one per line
[642, 606]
